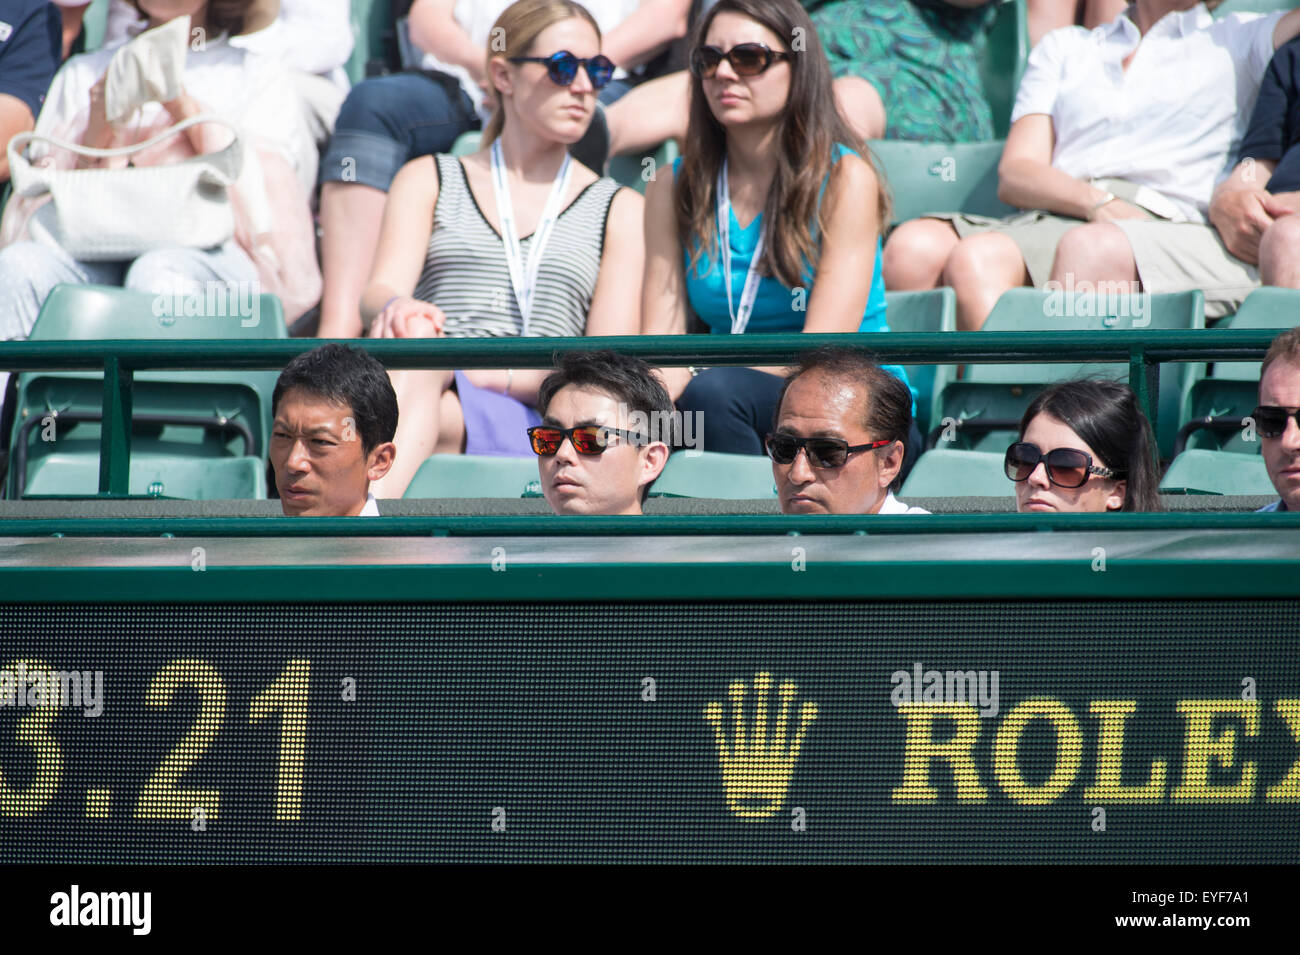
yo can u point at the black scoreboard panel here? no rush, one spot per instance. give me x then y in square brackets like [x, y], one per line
[762, 731]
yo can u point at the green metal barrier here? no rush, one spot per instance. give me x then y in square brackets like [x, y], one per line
[1142, 350]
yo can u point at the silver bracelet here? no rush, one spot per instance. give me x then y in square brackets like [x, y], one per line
[510, 378]
[1109, 197]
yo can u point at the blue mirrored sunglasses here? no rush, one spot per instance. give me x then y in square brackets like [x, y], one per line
[562, 68]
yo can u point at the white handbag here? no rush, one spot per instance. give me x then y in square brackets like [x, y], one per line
[100, 215]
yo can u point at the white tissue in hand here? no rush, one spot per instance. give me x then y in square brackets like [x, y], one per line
[149, 69]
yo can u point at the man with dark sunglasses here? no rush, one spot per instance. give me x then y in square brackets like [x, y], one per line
[1276, 420]
[839, 438]
[597, 448]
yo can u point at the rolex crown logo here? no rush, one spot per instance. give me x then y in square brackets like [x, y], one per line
[756, 768]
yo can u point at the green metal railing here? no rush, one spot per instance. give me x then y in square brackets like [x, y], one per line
[656, 525]
[1142, 350]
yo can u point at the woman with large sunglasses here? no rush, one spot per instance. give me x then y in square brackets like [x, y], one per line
[515, 240]
[1084, 446]
[770, 222]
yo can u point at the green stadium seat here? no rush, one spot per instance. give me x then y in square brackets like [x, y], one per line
[1005, 56]
[1253, 6]
[934, 310]
[166, 404]
[1217, 472]
[716, 475]
[472, 475]
[1000, 393]
[65, 474]
[466, 143]
[1230, 391]
[372, 25]
[631, 171]
[941, 177]
[944, 473]
[94, 23]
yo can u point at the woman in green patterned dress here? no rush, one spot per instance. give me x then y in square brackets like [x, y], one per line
[909, 69]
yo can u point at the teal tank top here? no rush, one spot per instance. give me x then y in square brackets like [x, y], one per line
[776, 305]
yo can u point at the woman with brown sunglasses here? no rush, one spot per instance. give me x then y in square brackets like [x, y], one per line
[1084, 446]
[770, 222]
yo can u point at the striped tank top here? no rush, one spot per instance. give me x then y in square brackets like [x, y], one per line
[465, 272]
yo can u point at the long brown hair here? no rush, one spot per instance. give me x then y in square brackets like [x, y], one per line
[224, 16]
[519, 26]
[810, 128]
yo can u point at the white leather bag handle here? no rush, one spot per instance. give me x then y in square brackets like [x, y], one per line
[30, 181]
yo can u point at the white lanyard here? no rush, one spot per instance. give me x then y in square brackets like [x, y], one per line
[524, 279]
[739, 319]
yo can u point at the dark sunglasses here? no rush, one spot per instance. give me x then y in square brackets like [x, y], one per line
[1270, 420]
[747, 59]
[822, 452]
[562, 68]
[587, 439]
[1066, 467]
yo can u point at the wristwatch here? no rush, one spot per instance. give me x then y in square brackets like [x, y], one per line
[1109, 197]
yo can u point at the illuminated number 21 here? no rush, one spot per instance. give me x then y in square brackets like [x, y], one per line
[159, 799]
[288, 695]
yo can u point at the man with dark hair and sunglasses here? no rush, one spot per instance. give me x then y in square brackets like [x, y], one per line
[839, 438]
[597, 446]
[1276, 421]
[335, 413]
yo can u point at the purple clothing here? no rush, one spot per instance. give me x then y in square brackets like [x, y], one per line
[494, 424]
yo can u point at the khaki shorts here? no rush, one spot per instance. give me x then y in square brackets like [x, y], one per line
[1170, 256]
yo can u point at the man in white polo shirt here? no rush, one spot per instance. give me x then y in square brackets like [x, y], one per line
[1118, 137]
[335, 414]
[840, 434]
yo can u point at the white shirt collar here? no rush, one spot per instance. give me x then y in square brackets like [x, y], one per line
[893, 505]
[371, 509]
[1181, 22]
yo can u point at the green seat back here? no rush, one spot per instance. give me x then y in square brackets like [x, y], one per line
[466, 143]
[72, 474]
[103, 311]
[1253, 6]
[1004, 391]
[716, 475]
[1266, 307]
[1231, 388]
[1217, 472]
[372, 21]
[94, 23]
[89, 312]
[472, 475]
[941, 177]
[634, 171]
[945, 473]
[1005, 56]
[934, 310]
[1223, 398]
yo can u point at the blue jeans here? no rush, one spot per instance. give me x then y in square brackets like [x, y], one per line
[738, 409]
[387, 121]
